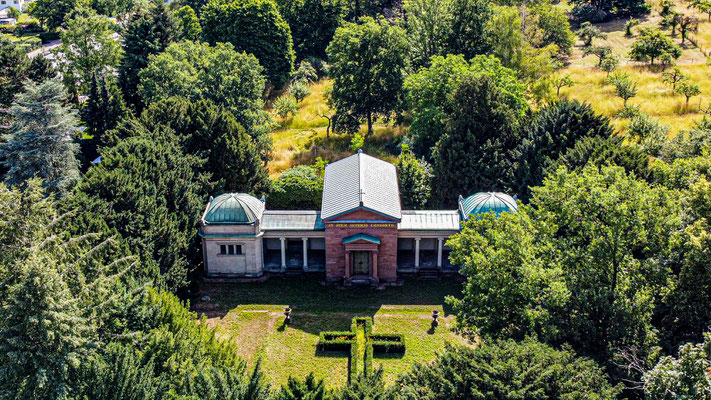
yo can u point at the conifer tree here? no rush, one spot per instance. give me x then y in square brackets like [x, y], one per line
[308, 389]
[102, 111]
[149, 31]
[40, 142]
[415, 178]
[43, 337]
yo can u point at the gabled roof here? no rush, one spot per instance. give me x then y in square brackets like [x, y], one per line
[361, 182]
[361, 236]
[233, 208]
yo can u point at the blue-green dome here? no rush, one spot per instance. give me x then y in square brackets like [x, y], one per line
[234, 208]
[485, 202]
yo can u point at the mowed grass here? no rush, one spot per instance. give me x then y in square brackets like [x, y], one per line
[301, 139]
[252, 315]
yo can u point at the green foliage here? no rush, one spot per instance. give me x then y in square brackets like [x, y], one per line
[308, 389]
[286, 104]
[687, 144]
[300, 90]
[51, 13]
[685, 377]
[589, 32]
[368, 62]
[262, 32]
[430, 94]
[189, 24]
[598, 234]
[365, 387]
[40, 141]
[688, 89]
[297, 188]
[648, 133]
[469, 36]
[477, 151]
[610, 63]
[102, 112]
[601, 52]
[87, 49]
[631, 23]
[625, 87]
[555, 130]
[415, 178]
[673, 77]
[505, 370]
[357, 142]
[152, 194]
[211, 133]
[599, 151]
[652, 44]
[148, 31]
[306, 73]
[596, 10]
[218, 73]
[561, 81]
[312, 23]
[116, 8]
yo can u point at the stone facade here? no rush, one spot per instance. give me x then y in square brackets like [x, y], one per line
[362, 222]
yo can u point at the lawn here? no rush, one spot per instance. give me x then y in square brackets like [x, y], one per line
[252, 315]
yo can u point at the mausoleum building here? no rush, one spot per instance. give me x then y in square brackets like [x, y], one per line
[360, 235]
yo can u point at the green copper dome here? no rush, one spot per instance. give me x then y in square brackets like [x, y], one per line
[233, 208]
[485, 202]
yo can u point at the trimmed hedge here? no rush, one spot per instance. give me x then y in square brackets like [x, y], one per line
[348, 341]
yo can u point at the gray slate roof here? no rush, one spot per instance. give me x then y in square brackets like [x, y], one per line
[361, 181]
[440, 220]
[292, 221]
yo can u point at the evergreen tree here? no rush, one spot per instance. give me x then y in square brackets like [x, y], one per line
[600, 151]
[102, 111]
[368, 63]
[469, 35]
[313, 24]
[189, 24]
[415, 178]
[476, 154]
[685, 377]
[152, 194]
[308, 389]
[40, 142]
[14, 66]
[148, 31]
[43, 337]
[40, 69]
[370, 387]
[297, 188]
[554, 130]
[505, 370]
[262, 31]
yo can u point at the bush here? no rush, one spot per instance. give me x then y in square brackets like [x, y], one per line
[298, 188]
[286, 104]
[300, 90]
[47, 37]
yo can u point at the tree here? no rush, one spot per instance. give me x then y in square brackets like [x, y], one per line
[415, 177]
[600, 151]
[429, 29]
[502, 369]
[625, 88]
[688, 89]
[648, 133]
[313, 24]
[262, 32]
[631, 23]
[652, 44]
[148, 31]
[229, 79]
[51, 13]
[308, 389]
[599, 10]
[286, 104]
[610, 63]
[102, 111]
[87, 48]
[189, 24]
[305, 73]
[40, 142]
[297, 188]
[589, 32]
[43, 336]
[552, 132]
[469, 35]
[368, 63]
[152, 194]
[211, 133]
[601, 52]
[430, 90]
[687, 24]
[685, 377]
[481, 134]
[370, 387]
[300, 90]
[15, 69]
[673, 77]
[703, 6]
[554, 27]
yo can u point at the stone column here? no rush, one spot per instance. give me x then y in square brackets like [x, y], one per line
[440, 245]
[417, 252]
[348, 265]
[375, 266]
[306, 252]
[283, 253]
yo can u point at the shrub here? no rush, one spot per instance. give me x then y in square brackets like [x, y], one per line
[300, 90]
[286, 104]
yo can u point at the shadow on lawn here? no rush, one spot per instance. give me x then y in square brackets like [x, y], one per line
[307, 297]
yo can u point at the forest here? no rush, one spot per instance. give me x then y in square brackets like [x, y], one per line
[120, 118]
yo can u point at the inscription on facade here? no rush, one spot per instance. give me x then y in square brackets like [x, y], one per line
[361, 225]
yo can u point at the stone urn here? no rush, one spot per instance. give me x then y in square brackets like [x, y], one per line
[435, 318]
[287, 315]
